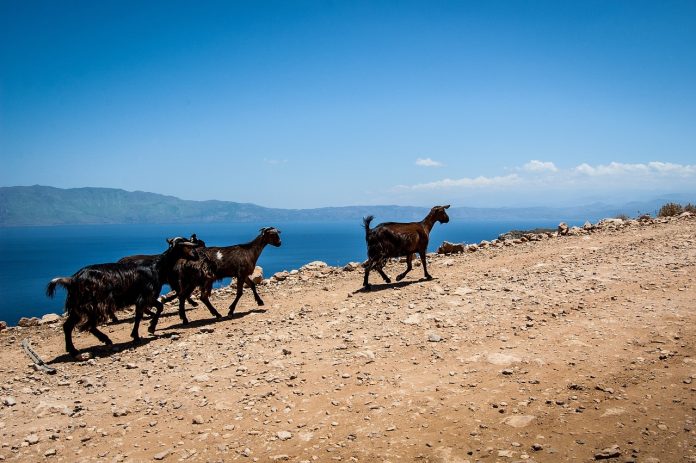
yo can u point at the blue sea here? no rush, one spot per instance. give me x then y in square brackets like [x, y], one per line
[31, 256]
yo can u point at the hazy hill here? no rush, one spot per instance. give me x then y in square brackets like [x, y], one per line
[43, 205]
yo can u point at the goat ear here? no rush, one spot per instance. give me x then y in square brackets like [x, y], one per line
[446, 207]
[170, 241]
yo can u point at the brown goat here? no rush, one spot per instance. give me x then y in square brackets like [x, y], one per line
[393, 239]
[238, 262]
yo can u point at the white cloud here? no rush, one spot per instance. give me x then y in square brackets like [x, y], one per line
[427, 162]
[466, 182]
[653, 167]
[540, 166]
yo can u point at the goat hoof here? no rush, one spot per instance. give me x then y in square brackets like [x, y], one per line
[230, 313]
[151, 330]
[217, 315]
[259, 302]
[184, 321]
[193, 303]
[399, 278]
[367, 287]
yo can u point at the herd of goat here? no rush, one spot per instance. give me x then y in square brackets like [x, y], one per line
[96, 292]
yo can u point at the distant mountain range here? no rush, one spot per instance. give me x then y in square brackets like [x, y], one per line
[43, 205]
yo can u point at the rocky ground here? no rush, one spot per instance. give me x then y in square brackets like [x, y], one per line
[569, 348]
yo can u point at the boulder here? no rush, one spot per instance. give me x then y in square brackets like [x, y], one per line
[27, 322]
[450, 248]
[351, 266]
[257, 275]
[50, 318]
[685, 214]
[587, 226]
[3, 325]
[281, 276]
[611, 223]
[314, 265]
[563, 229]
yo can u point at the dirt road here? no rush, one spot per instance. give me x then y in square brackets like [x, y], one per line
[573, 348]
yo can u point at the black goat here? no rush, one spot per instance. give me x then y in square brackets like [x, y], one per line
[393, 239]
[95, 292]
[238, 262]
[184, 276]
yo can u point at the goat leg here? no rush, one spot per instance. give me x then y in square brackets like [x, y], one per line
[425, 265]
[155, 318]
[99, 335]
[182, 310]
[240, 288]
[366, 284]
[252, 285]
[68, 327]
[408, 268]
[205, 294]
[136, 324]
[380, 270]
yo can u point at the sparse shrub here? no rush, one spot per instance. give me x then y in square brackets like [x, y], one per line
[690, 208]
[622, 216]
[670, 210]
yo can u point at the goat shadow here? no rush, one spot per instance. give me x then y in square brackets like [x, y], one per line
[213, 320]
[398, 284]
[129, 318]
[102, 350]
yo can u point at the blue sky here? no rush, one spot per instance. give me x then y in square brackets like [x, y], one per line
[308, 104]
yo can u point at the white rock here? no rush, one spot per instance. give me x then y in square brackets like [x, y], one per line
[284, 435]
[519, 421]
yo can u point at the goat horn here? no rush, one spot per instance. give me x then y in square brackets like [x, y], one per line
[447, 206]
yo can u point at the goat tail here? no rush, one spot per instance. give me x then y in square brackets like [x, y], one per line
[366, 224]
[62, 281]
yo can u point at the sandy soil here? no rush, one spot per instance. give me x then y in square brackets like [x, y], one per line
[567, 349]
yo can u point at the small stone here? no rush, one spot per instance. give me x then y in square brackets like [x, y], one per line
[537, 447]
[131, 366]
[284, 435]
[50, 452]
[32, 439]
[609, 452]
[201, 378]
[433, 337]
[507, 371]
[246, 452]
[9, 401]
[198, 419]
[519, 421]
[161, 455]
[118, 411]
